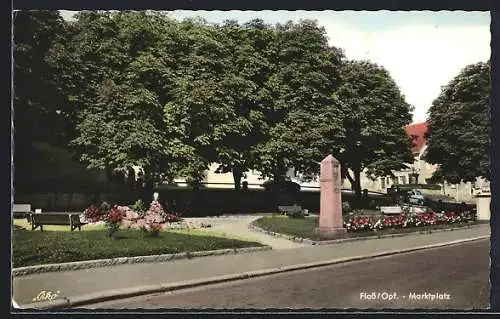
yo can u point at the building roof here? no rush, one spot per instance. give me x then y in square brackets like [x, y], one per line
[418, 130]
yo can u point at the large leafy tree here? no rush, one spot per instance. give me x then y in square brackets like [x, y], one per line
[217, 109]
[459, 130]
[304, 116]
[246, 74]
[198, 116]
[39, 91]
[374, 116]
[130, 63]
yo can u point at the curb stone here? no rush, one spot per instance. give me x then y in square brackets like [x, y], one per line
[71, 302]
[23, 271]
[345, 240]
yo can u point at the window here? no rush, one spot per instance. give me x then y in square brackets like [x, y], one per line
[382, 183]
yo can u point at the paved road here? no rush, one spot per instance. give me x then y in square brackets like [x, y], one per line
[460, 271]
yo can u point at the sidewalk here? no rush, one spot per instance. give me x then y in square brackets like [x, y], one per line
[79, 282]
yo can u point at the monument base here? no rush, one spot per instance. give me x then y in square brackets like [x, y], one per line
[331, 232]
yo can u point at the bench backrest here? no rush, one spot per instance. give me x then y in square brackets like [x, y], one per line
[290, 209]
[389, 210]
[55, 219]
[21, 208]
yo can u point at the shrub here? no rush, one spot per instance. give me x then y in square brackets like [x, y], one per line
[151, 229]
[297, 214]
[94, 214]
[155, 208]
[106, 207]
[372, 205]
[128, 213]
[172, 218]
[113, 220]
[138, 206]
[346, 207]
[155, 213]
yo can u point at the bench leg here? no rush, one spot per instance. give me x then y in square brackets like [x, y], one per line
[79, 228]
[41, 227]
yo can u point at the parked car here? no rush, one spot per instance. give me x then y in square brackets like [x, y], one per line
[416, 197]
[405, 195]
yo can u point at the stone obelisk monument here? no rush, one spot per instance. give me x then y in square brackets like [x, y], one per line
[330, 216]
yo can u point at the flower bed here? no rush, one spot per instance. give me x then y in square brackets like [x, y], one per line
[360, 223]
[151, 221]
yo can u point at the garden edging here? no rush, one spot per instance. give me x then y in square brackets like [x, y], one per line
[345, 240]
[87, 264]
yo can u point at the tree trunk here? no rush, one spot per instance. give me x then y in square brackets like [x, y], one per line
[355, 185]
[237, 175]
[279, 173]
[109, 177]
[357, 182]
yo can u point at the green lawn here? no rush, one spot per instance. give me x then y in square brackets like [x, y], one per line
[23, 223]
[37, 247]
[305, 227]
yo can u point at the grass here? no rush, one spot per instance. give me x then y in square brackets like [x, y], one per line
[305, 227]
[57, 246]
[23, 223]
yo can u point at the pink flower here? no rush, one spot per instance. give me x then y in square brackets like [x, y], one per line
[126, 223]
[141, 223]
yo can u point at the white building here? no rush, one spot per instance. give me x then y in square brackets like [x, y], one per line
[418, 172]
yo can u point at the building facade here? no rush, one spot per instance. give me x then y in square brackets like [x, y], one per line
[418, 172]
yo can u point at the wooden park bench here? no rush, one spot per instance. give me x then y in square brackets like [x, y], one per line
[71, 220]
[21, 210]
[288, 210]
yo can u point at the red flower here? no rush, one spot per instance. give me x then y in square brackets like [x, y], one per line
[115, 215]
[94, 214]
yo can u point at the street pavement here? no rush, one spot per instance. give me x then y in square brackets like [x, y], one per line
[458, 275]
[86, 281]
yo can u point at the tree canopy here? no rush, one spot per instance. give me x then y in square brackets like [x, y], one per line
[303, 115]
[141, 89]
[374, 116]
[459, 129]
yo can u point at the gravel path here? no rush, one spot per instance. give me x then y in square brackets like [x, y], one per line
[238, 226]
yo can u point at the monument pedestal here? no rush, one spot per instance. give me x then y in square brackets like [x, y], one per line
[331, 223]
[331, 232]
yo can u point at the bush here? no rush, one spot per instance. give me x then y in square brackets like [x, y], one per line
[372, 205]
[113, 220]
[94, 214]
[106, 207]
[298, 214]
[346, 207]
[151, 229]
[138, 207]
[172, 218]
